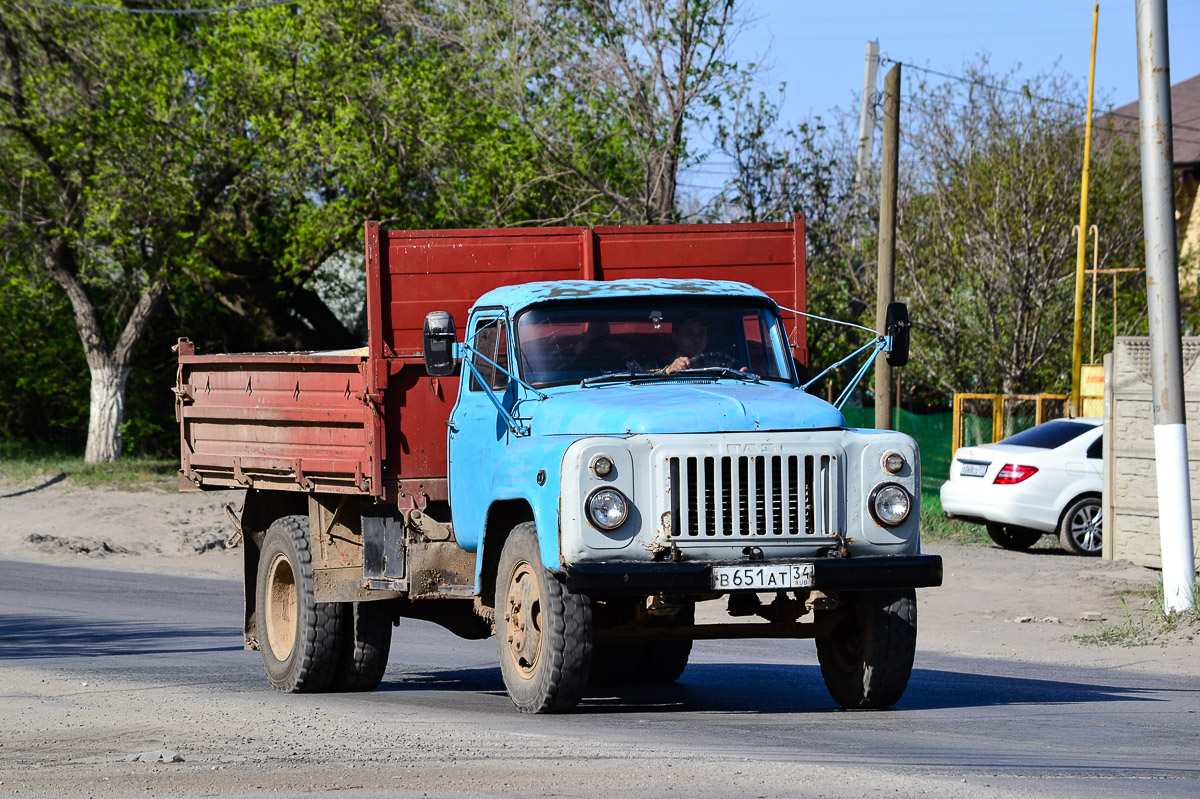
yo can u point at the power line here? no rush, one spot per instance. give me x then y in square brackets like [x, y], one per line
[883, 59]
[176, 12]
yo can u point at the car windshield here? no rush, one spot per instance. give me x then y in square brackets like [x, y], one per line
[661, 336]
[1049, 435]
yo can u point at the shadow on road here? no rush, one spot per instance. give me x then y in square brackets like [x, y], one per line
[23, 637]
[58, 478]
[775, 688]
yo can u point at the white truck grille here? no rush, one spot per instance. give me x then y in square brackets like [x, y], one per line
[765, 497]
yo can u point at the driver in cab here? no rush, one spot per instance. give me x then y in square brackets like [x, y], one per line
[689, 338]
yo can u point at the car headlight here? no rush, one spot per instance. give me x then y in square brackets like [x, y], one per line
[607, 508]
[890, 504]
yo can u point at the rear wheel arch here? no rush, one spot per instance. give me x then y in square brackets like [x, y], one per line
[502, 517]
[1098, 496]
[1086, 538]
[260, 510]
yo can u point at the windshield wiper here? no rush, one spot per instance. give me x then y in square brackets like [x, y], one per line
[614, 376]
[707, 371]
[721, 371]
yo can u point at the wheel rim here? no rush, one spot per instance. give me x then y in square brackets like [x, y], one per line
[523, 620]
[281, 607]
[1086, 528]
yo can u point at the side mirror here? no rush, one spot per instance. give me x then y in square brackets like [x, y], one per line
[438, 340]
[896, 325]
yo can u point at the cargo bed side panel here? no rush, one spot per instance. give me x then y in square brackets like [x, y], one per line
[298, 422]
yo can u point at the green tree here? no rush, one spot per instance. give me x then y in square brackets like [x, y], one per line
[85, 114]
[213, 164]
[606, 90]
[989, 197]
[778, 172]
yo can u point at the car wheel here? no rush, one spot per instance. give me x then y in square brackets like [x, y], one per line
[1010, 536]
[1080, 530]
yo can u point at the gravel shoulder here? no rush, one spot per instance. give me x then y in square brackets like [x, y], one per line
[1024, 606]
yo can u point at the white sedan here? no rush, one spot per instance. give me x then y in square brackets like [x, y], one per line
[1043, 480]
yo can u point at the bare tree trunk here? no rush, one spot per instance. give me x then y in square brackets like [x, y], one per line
[107, 413]
[109, 366]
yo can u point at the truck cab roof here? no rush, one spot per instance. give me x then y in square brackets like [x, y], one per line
[523, 295]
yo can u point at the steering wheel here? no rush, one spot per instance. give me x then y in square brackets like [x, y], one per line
[710, 359]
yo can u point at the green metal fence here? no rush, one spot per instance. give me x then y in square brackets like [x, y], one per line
[934, 433]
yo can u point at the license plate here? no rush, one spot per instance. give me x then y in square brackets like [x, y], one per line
[762, 578]
[973, 469]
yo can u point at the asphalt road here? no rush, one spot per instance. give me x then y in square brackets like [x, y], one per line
[142, 662]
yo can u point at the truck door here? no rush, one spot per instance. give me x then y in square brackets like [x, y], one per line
[478, 432]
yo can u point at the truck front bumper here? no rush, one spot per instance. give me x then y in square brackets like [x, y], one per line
[829, 574]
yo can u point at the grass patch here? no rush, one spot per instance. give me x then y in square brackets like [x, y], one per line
[1146, 622]
[24, 463]
[936, 527]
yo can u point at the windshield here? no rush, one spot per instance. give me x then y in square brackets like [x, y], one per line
[660, 336]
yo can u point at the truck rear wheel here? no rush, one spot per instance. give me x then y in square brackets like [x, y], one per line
[366, 643]
[299, 637]
[544, 632]
[867, 660]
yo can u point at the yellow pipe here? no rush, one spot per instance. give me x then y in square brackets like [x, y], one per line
[1095, 278]
[1077, 343]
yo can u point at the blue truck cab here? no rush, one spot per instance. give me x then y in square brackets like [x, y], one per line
[621, 451]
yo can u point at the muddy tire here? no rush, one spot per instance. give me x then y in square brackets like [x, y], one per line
[868, 659]
[1009, 536]
[543, 632]
[1080, 531]
[366, 643]
[299, 637]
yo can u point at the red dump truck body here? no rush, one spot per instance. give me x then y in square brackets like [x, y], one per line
[372, 421]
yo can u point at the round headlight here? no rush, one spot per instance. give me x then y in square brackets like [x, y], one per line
[607, 508]
[602, 466]
[893, 462]
[890, 504]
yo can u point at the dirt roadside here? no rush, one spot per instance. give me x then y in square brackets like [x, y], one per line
[1024, 606]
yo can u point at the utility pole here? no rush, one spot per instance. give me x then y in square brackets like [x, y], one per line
[887, 239]
[1162, 299]
[866, 116]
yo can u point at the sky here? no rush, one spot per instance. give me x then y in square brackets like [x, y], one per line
[818, 48]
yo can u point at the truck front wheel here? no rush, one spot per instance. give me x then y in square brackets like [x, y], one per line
[544, 632]
[299, 637]
[868, 658]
